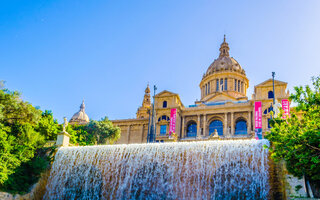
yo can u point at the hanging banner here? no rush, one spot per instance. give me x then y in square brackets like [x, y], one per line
[286, 108]
[173, 121]
[258, 120]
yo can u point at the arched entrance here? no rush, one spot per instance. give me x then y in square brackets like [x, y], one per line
[192, 129]
[216, 124]
[241, 127]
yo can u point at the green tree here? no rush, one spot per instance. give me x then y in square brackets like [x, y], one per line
[19, 139]
[95, 132]
[297, 139]
[48, 126]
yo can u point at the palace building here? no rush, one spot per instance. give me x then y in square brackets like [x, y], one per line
[223, 109]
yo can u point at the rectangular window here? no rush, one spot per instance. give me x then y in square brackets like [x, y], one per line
[163, 129]
[235, 84]
[209, 88]
[238, 86]
[225, 84]
[217, 87]
[221, 84]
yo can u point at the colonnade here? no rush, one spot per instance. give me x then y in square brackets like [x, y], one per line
[223, 84]
[226, 125]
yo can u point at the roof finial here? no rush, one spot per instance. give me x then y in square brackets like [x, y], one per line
[224, 38]
[82, 105]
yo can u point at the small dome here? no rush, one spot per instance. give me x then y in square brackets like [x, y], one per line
[80, 117]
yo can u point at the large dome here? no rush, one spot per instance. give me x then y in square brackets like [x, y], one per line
[80, 117]
[224, 79]
[224, 62]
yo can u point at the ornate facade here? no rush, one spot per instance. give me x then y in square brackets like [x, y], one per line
[223, 110]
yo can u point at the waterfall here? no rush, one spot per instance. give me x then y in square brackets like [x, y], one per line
[230, 169]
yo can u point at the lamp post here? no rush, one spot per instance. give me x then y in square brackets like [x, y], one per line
[152, 130]
[274, 99]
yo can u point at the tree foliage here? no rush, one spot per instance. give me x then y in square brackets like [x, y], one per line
[296, 139]
[95, 132]
[19, 139]
[24, 129]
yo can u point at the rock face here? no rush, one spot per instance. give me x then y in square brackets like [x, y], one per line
[36, 192]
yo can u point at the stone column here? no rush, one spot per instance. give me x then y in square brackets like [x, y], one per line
[198, 126]
[232, 124]
[249, 122]
[128, 136]
[242, 91]
[182, 129]
[225, 128]
[204, 124]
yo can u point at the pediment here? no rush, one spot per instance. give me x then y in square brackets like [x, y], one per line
[269, 83]
[165, 93]
[219, 97]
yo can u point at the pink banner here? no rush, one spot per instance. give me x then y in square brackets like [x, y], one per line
[258, 120]
[285, 107]
[173, 121]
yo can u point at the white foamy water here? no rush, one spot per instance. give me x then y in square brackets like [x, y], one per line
[232, 169]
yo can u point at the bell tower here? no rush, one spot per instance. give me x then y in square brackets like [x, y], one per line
[143, 111]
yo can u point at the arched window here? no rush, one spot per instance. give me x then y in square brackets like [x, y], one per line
[268, 110]
[163, 129]
[238, 85]
[241, 127]
[163, 117]
[217, 85]
[225, 84]
[208, 88]
[235, 84]
[164, 104]
[221, 84]
[216, 124]
[192, 130]
[270, 95]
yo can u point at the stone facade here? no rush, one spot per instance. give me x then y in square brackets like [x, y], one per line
[223, 106]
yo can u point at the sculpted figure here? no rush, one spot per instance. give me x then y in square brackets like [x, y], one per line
[229, 131]
[65, 124]
[276, 108]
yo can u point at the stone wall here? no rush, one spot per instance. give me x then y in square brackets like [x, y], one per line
[36, 193]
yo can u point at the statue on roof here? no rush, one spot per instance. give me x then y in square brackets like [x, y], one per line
[65, 124]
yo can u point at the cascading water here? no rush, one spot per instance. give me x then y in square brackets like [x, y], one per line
[231, 169]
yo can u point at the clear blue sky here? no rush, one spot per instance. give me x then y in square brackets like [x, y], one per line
[57, 52]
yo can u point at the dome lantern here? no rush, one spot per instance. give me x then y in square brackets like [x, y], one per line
[224, 48]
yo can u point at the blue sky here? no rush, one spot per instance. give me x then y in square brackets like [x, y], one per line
[57, 52]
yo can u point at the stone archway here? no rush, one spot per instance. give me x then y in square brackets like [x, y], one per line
[191, 129]
[221, 126]
[241, 126]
